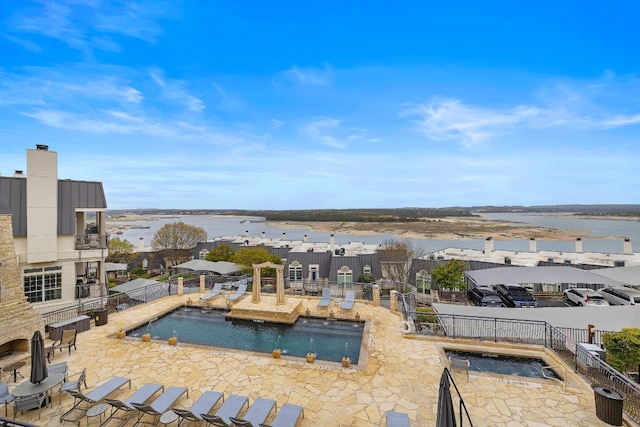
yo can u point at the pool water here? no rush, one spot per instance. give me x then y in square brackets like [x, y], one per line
[330, 340]
[504, 364]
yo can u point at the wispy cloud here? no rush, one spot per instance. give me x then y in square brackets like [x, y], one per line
[328, 131]
[175, 90]
[310, 76]
[76, 23]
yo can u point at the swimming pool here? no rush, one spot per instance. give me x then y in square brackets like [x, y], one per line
[330, 340]
[504, 364]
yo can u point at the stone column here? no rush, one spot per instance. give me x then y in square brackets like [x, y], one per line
[180, 286]
[376, 295]
[255, 288]
[280, 284]
[202, 283]
[393, 300]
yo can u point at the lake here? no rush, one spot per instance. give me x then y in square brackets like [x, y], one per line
[217, 226]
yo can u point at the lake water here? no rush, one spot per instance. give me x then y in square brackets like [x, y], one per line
[217, 226]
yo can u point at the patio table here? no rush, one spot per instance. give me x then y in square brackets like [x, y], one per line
[28, 388]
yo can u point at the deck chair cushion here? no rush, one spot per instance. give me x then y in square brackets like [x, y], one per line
[230, 408]
[397, 419]
[203, 405]
[287, 416]
[256, 414]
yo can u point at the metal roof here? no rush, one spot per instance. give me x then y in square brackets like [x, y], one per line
[495, 276]
[628, 275]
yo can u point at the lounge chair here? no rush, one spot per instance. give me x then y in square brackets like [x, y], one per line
[67, 340]
[5, 397]
[241, 290]
[141, 395]
[326, 298]
[349, 299]
[160, 405]
[203, 405]
[230, 408]
[287, 416]
[74, 385]
[397, 419]
[256, 414]
[214, 293]
[82, 402]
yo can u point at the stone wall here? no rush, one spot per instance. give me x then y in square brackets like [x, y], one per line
[19, 320]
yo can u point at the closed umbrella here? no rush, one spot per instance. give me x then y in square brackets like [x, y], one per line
[446, 416]
[38, 359]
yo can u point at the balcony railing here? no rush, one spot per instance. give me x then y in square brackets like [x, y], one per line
[92, 241]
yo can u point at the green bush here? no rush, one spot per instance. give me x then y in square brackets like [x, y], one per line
[426, 315]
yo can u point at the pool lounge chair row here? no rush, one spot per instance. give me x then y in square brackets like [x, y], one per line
[347, 304]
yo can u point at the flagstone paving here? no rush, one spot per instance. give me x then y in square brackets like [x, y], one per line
[399, 374]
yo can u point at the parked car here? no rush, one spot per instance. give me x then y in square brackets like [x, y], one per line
[485, 297]
[516, 296]
[584, 296]
[621, 295]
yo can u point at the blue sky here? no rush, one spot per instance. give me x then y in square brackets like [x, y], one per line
[332, 104]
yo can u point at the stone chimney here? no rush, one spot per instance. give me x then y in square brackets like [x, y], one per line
[284, 236]
[488, 245]
[141, 244]
[532, 245]
[626, 246]
[19, 174]
[579, 245]
[305, 238]
[18, 318]
[264, 235]
[332, 242]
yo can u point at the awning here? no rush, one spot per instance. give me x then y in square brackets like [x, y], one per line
[220, 267]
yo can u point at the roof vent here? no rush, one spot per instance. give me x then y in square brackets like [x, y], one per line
[42, 147]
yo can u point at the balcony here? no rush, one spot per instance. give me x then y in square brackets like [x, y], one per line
[92, 241]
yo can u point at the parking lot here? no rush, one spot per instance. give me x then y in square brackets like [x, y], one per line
[552, 301]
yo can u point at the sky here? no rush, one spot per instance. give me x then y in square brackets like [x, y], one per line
[327, 104]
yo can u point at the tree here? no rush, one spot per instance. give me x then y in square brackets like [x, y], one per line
[395, 259]
[623, 349]
[120, 250]
[222, 252]
[175, 237]
[450, 275]
[246, 257]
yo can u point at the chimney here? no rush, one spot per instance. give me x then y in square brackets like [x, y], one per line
[264, 235]
[141, 244]
[18, 174]
[488, 245]
[532, 244]
[332, 242]
[305, 238]
[246, 233]
[284, 236]
[626, 246]
[579, 245]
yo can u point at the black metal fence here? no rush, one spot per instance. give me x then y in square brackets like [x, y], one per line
[564, 342]
[6, 422]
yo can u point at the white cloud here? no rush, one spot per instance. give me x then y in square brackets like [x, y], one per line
[174, 90]
[310, 76]
[319, 130]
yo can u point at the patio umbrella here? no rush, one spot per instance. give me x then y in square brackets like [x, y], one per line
[38, 360]
[446, 416]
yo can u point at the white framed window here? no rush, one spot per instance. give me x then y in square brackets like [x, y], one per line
[203, 254]
[423, 282]
[295, 271]
[345, 275]
[314, 272]
[366, 269]
[43, 284]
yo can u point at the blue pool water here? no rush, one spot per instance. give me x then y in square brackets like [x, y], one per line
[332, 339]
[503, 364]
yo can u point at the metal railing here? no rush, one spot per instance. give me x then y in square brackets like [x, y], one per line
[463, 408]
[6, 422]
[564, 342]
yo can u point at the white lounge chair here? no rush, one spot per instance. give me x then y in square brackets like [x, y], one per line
[141, 395]
[214, 293]
[257, 413]
[349, 300]
[160, 405]
[83, 401]
[203, 405]
[230, 408]
[326, 298]
[240, 292]
[287, 416]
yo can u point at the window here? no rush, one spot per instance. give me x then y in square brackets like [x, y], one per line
[295, 271]
[43, 284]
[203, 254]
[345, 275]
[313, 271]
[366, 269]
[423, 282]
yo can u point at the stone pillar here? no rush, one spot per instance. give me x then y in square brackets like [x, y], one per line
[202, 290]
[376, 295]
[393, 300]
[180, 286]
[280, 284]
[255, 289]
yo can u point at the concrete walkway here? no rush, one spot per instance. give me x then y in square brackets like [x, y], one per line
[400, 374]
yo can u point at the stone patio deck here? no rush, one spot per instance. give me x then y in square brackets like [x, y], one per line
[400, 374]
